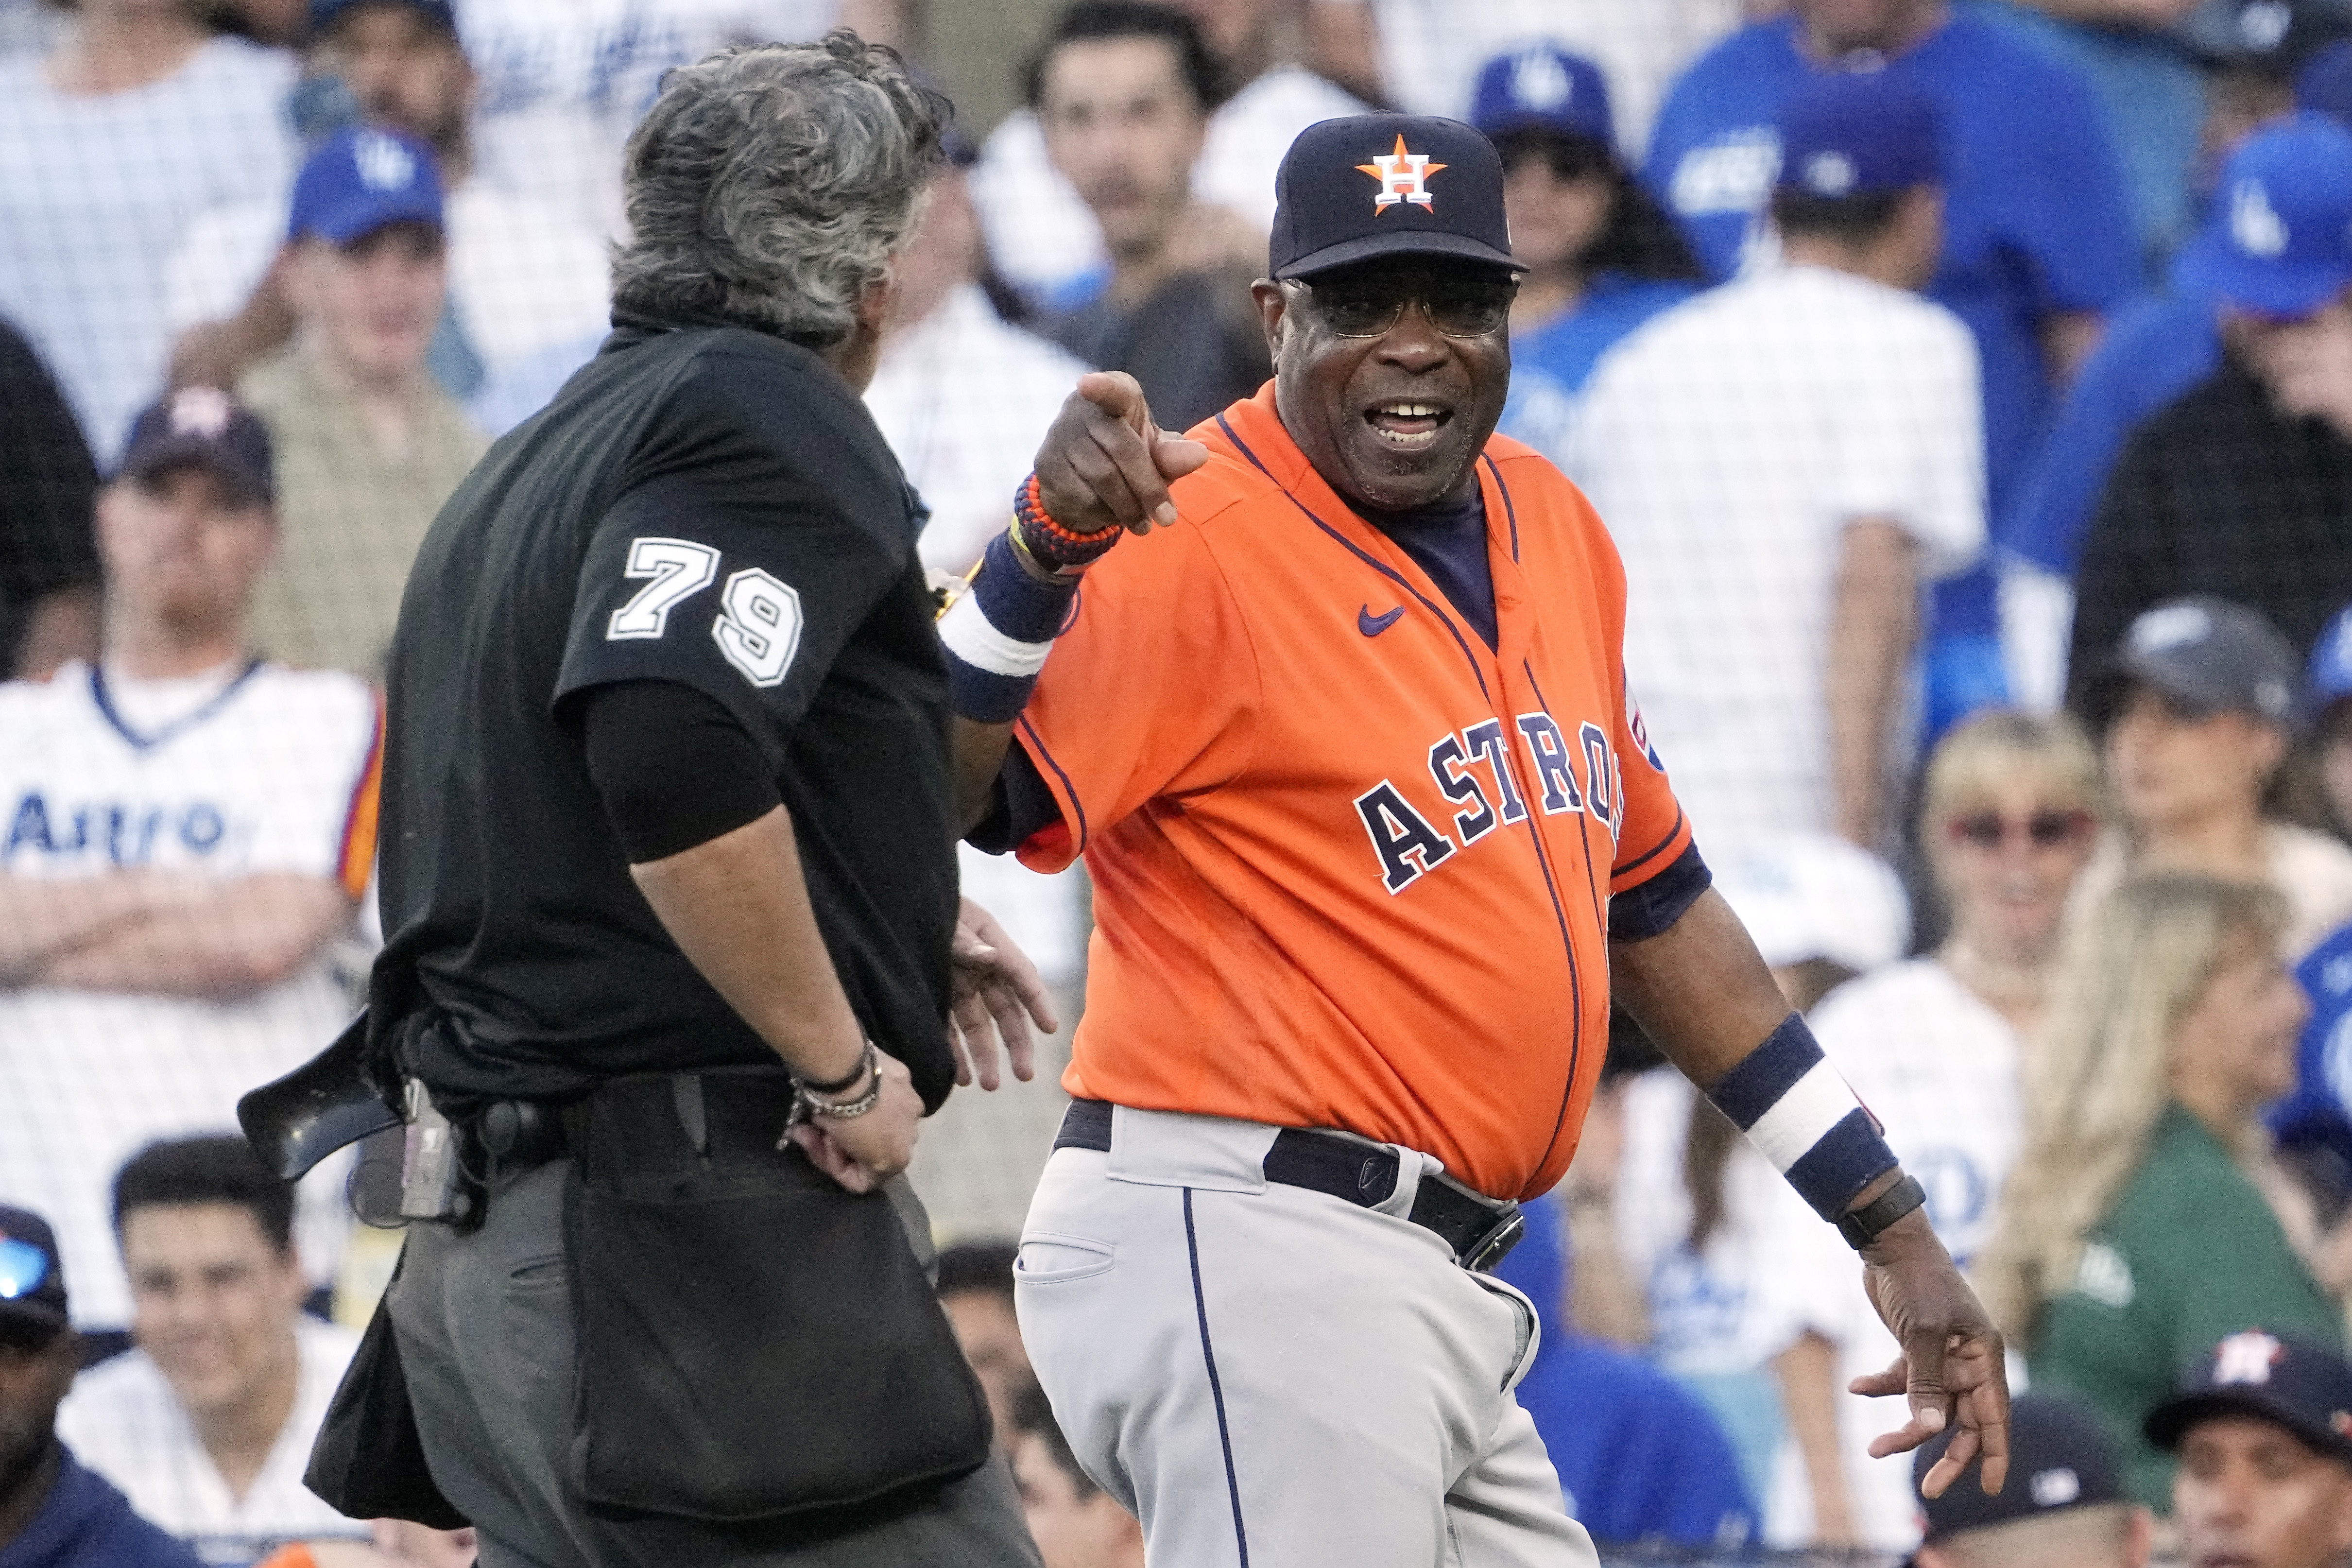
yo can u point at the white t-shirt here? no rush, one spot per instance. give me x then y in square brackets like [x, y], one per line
[526, 275]
[1941, 1069]
[963, 399]
[124, 1421]
[95, 192]
[1041, 236]
[1430, 50]
[264, 770]
[1727, 443]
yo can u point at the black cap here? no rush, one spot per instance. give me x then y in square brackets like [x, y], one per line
[1388, 185]
[203, 425]
[2206, 653]
[32, 1278]
[2300, 1386]
[2058, 1458]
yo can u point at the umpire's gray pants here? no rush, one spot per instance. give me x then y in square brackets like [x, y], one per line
[484, 1322]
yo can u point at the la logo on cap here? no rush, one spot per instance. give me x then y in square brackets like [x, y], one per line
[200, 411]
[2254, 223]
[2247, 1358]
[1403, 176]
[383, 164]
[1540, 81]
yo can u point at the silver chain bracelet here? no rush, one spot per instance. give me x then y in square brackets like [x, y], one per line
[805, 1105]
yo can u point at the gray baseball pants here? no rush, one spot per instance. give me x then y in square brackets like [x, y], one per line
[1270, 1376]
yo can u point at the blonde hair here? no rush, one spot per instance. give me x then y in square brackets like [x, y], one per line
[2097, 1076]
[1994, 748]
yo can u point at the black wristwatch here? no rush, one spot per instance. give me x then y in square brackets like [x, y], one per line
[1863, 1225]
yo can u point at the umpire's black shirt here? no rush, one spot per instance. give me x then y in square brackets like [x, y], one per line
[702, 504]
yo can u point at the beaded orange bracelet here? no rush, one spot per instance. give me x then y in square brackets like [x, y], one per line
[1048, 541]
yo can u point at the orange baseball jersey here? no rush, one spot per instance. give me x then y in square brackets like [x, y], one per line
[1352, 867]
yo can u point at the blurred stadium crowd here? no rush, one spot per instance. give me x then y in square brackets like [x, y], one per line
[1979, 453]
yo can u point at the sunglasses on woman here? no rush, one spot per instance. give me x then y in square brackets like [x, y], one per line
[1990, 830]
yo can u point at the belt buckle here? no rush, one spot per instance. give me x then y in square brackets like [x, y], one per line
[1499, 1238]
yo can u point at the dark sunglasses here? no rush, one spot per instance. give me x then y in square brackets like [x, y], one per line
[1459, 308]
[1990, 830]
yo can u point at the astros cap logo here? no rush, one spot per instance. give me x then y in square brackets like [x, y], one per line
[1402, 175]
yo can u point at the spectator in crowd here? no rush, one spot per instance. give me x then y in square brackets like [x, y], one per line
[1041, 234]
[1934, 1047]
[109, 143]
[1601, 256]
[975, 1287]
[1693, 1200]
[2265, 1472]
[525, 277]
[207, 1425]
[2237, 487]
[2192, 710]
[1122, 90]
[2065, 1507]
[2037, 238]
[1076, 1524]
[2254, 54]
[2328, 697]
[1782, 461]
[1640, 1456]
[2161, 346]
[48, 561]
[184, 831]
[53, 1513]
[368, 448]
[2143, 1221]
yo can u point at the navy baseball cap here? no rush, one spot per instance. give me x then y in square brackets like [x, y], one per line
[361, 179]
[2302, 1386]
[32, 1278]
[1542, 87]
[2208, 654]
[205, 426]
[2279, 241]
[1852, 134]
[2059, 1459]
[1387, 184]
[2329, 680]
[325, 14]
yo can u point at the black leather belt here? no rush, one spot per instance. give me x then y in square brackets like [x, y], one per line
[1478, 1230]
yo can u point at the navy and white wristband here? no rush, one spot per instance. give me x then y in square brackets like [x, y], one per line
[1802, 1117]
[998, 635]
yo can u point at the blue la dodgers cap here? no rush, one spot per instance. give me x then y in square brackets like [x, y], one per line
[204, 426]
[2279, 242]
[1851, 133]
[2059, 1459]
[325, 14]
[2299, 1385]
[1542, 87]
[1387, 184]
[361, 179]
[32, 1278]
[2329, 680]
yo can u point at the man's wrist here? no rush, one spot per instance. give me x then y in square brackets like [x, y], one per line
[1873, 1217]
[845, 1085]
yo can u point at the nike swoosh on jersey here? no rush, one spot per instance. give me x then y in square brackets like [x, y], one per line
[1372, 626]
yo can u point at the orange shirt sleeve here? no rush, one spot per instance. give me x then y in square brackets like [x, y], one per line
[355, 854]
[1149, 695]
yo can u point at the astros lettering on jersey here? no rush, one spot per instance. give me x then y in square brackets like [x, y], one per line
[1352, 867]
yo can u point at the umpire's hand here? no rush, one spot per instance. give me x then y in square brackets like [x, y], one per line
[862, 1152]
[1951, 1362]
[1105, 464]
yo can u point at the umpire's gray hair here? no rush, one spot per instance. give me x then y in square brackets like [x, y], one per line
[769, 185]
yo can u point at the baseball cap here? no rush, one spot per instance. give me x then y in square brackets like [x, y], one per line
[2329, 680]
[1387, 184]
[2302, 1386]
[324, 13]
[32, 1278]
[361, 179]
[2058, 1460]
[2206, 653]
[1813, 895]
[2276, 37]
[1542, 87]
[2280, 238]
[1851, 133]
[203, 425]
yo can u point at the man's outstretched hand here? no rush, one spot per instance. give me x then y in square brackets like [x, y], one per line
[1951, 1364]
[1105, 464]
[998, 994]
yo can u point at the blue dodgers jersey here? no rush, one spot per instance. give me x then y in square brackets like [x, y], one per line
[1550, 365]
[2317, 1117]
[2036, 215]
[2157, 348]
